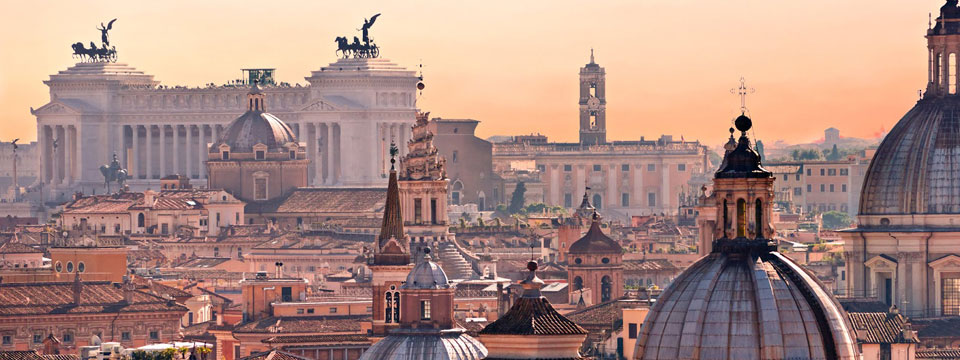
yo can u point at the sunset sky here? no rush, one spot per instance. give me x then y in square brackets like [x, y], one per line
[852, 64]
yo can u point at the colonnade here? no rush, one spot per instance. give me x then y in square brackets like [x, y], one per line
[58, 147]
[155, 151]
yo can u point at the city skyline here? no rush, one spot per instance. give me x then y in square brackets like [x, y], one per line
[827, 75]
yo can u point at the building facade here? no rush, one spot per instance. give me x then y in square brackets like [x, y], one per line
[469, 164]
[347, 115]
[623, 178]
[821, 186]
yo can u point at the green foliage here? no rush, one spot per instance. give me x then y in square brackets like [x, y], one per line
[834, 154]
[808, 154]
[833, 220]
[517, 199]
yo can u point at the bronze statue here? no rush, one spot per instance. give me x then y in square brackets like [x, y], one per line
[103, 32]
[113, 173]
[365, 49]
[105, 53]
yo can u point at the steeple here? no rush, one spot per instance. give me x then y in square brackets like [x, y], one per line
[391, 244]
[942, 41]
[593, 103]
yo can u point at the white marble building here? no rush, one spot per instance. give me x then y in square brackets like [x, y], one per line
[347, 116]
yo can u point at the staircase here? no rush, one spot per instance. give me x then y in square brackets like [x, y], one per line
[453, 263]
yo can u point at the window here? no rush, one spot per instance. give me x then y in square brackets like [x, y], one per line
[286, 294]
[310, 311]
[417, 211]
[260, 155]
[809, 188]
[116, 228]
[681, 167]
[260, 188]
[797, 191]
[625, 199]
[154, 335]
[625, 167]
[577, 283]
[58, 266]
[831, 187]
[69, 266]
[125, 336]
[823, 187]
[741, 218]
[7, 340]
[758, 213]
[567, 200]
[832, 172]
[651, 199]
[578, 261]
[38, 338]
[454, 157]
[433, 211]
[632, 331]
[597, 201]
[568, 168]
[843, 187]
[605, 260]
[293, 155]
[68, 337]
[784, 177]
[950, 296]
[844, 172]
[651, 167]
[216, 251]
[596, 168]
[425, 310]
[542, 168]
[225, 155]
[798, 177]
[300, 311]
[164, 228]
[140, 220]
[808, 172]
[822, 172]
[81, 267]
[240, 251]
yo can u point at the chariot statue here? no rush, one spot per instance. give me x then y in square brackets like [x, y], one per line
[104, 53]
[359, 49]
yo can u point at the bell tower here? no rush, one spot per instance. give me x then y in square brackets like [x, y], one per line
[593, 104]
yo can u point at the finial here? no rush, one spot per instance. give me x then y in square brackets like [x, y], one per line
[426, 254]
[591, 56]
[393, 155]
[743, 91]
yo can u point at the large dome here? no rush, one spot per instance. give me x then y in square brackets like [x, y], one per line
[916, 169]
[256, 126]
[734, 305]
[428, 344]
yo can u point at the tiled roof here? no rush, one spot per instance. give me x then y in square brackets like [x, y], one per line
[34, 355]
[305, 324]
[879, 328]
[863, 305]
[649, 265]
[322, 338]
[595, 242]
[533, 316]
[17, 248]
[944, 354]
[316, 200]
[169, 203]
[942, 327]
[274, 355]
[604, 314]
[203, 262]
[100, 205]
[57, 298]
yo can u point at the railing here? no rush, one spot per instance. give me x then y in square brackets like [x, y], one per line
[626, 148]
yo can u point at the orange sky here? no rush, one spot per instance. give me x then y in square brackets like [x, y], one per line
[852, 64]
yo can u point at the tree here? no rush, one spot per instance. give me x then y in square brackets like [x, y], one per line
[833, 220]
[834, 154]
[516, 200]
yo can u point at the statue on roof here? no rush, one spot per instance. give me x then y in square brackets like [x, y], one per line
[113, 172]
[359, 49]
[104, 53]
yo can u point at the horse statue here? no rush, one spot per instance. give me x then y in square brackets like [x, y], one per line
[105, 53]
[359, 49]
[113, 173]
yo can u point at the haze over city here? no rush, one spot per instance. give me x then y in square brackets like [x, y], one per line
[854, 65]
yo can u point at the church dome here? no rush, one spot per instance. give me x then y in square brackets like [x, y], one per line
[427, 344]
[740, 303]
[741, 161]
[915, 169]
[427, 275]
[256, 126]
[595, 242]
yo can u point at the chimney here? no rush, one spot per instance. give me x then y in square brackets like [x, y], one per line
[128, 289]
[77, 288]
[279, 269]
[149, 197]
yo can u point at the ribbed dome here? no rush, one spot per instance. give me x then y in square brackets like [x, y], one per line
[916, 169]
[733, 305]
[413, 344]
[256, 126]
[427, 275]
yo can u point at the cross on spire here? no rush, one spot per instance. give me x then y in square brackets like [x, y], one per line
[743, 91]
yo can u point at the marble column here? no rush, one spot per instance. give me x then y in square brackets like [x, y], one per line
[68, 154]
[326, 153]
[58, 155]
[133, 160]
[164, 156]
[313, 168]
[149, 143]
[47, 154]
[188, 144]
[202, 138]
[177, 154]
[336, 154]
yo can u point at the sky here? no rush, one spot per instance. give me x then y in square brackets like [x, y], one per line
[854, 64]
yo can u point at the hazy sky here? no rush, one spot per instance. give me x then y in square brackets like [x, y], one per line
[852, 64]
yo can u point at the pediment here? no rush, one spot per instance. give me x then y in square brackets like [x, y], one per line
[949, 261]
[319, 105]
[881, 262]
[56, 108]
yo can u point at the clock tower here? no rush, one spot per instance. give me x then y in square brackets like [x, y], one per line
[593, 104]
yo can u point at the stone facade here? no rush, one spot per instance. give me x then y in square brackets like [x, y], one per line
[469, 163]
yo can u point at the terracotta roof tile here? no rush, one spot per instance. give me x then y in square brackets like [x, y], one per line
[274, 355]
[944, 354]
[940, 327]
[57, 298]
[604, 314]
[879, 328]
[649, 265]
[321, 338]
[305, 324]
[34, 355]
[17, 248]
[533, 316]
[595, 242]
[316, 200]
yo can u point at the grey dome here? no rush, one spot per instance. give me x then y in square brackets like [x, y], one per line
[256, 127]
[916, 169]
[411, 344]
[733, 305]
[427, 275]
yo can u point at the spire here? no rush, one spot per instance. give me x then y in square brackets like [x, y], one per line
[392, 218]
[591, 56]
[532, 284]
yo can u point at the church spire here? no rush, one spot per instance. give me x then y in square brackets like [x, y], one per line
[392, 218]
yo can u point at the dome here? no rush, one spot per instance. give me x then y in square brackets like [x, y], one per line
[743, 303]
[741, 161]
[427, 275]
[595, 242]
[256, 126]
[916, 169]
[427, 344]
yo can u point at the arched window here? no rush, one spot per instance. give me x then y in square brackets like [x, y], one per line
[388, 311]
[577, 283]
[726, 218]
[952, 71]
[759, 218]
[140, 220]
[606, 289]
[216, 251]
[741, 218]
[597, 201]
[239, 253]
[396, 306]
